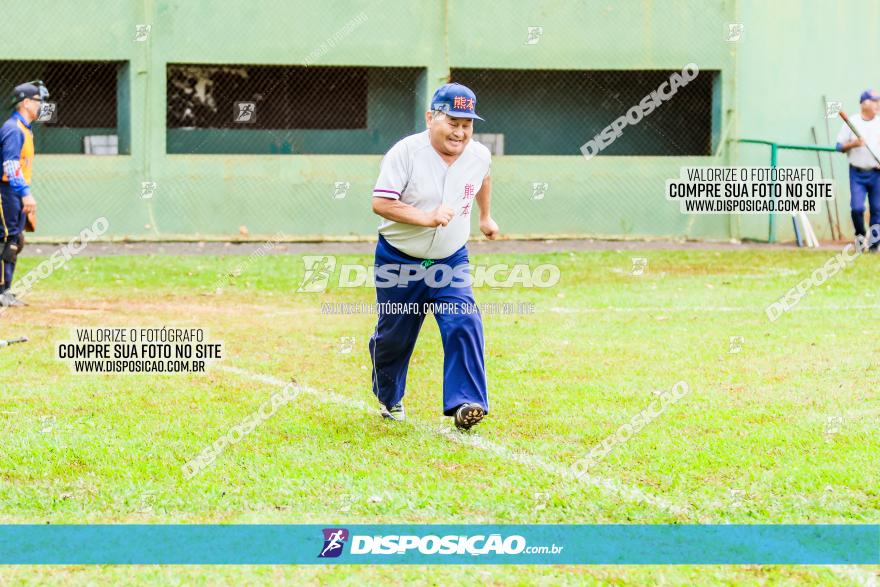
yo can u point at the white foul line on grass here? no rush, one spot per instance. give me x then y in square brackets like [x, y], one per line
[607, 485]
[604, 484]
[859, 576]
[703, 309]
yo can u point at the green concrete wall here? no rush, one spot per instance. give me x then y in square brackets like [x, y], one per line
[792, 53]
[213, 195]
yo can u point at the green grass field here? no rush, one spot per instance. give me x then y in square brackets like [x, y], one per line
[784, 431]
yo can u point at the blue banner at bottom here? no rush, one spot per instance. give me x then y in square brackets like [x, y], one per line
[441, 544]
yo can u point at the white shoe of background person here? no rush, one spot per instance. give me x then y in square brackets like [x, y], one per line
[9, 300]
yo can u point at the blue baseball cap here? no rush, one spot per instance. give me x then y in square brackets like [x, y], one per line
[869, 95]
[455, 100]
[34, 90]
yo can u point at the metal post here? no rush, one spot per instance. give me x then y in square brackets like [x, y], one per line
[771, 237]
[774, 153]
[827, 203]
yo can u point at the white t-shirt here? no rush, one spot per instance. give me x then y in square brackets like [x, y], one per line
[414, 173]
[870, 131]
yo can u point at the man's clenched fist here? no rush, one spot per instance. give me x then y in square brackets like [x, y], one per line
[28, 204]
[489, 227]
[440, 216]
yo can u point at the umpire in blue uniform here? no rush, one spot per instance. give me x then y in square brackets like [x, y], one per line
[17, 152]
[425, 194]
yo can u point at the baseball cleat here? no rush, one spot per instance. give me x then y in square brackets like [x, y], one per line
[395, 413]
[468, 415]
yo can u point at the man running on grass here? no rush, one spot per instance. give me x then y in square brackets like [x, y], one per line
[425, 193]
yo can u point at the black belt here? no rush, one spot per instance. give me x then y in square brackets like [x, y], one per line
[866, 168]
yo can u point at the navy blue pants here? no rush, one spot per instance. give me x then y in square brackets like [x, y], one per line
[862, 185]
[13, 224]
[461, 328]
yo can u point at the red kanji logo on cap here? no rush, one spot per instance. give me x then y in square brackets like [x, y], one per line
[463, 103]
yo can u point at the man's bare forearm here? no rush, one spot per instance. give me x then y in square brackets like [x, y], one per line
[851, 145]
[484, 198]
[397, 211]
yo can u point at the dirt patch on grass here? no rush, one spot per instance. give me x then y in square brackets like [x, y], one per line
[476, 246]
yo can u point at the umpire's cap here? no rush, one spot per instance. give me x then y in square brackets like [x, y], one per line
[34, 90]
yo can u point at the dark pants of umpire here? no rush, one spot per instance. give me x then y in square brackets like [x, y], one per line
[864, 184]
[13, 224]
[461, 329]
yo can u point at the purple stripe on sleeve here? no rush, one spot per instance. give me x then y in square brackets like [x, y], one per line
[388, 192]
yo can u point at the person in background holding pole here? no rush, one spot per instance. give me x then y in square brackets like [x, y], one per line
[864, 172]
